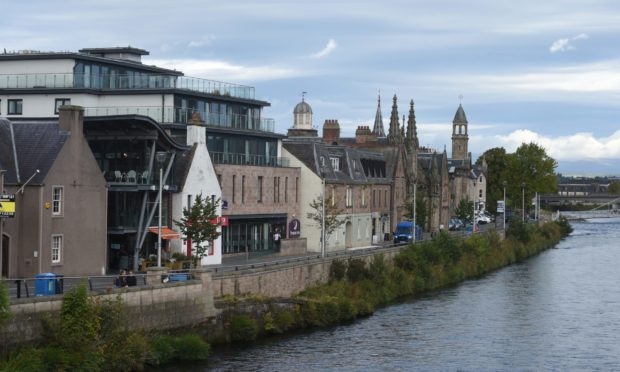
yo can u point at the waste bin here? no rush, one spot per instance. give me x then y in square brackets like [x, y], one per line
[45, 284]
[178, 277]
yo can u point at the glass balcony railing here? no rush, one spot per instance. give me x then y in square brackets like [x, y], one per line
[243, 159]
[124, 81]
[177, 115]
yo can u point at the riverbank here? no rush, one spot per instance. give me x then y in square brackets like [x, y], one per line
[356, 288]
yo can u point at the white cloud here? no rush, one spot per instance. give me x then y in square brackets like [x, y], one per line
[578, 146]
[225, 71]
[564, 44]
[329, 48]
[204, 41]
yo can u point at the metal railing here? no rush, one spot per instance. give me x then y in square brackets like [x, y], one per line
[136, 80]
[179, 115]
[246, 159]
[26, 287]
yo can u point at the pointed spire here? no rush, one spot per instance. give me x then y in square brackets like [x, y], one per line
[412, 130]
[378, 128]
[394, 131]
[402, 131]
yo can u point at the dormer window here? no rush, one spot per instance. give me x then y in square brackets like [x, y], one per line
[335, 163]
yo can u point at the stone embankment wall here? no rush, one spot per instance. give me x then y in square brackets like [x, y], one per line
[160, 307]
[285, 280]
[156, 307]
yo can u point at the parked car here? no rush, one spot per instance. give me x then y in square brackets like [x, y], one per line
[404, 232]
[455, 224]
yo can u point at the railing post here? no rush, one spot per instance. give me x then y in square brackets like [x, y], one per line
[18, 284]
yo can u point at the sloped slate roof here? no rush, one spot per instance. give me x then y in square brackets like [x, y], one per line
[37, 145]
[311, 153]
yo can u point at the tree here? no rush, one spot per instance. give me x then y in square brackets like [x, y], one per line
[421, 211]
[614, 188]
[530, 170]
[198, 224]
[497, 167]
[465, 210]
[332, 211]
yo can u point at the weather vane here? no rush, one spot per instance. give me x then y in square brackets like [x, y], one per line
[303, 95]
[460, 98]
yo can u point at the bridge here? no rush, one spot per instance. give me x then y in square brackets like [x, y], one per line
[582, 215]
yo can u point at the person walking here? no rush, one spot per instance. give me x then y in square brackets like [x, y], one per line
[277, 238]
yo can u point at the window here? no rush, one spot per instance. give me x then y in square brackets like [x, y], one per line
[57, 200]
[60, 102]
[275, 189]
[286, 189]
[333, 196]
[56, 248]
[335, 163]
[0, 107]
[480, 193]
[385, 198]
[349, 198]
[364, 196]
[242, 189]
[259, 189]
[374, 198]
[296, 189]
[234, 179]
[15, 107]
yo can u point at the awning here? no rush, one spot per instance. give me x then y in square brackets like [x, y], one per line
[166, 233]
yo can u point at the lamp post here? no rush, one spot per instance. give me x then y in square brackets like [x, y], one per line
[522, 201]
[415, 222]
[323, 215]
[504, 224]
[160, 157]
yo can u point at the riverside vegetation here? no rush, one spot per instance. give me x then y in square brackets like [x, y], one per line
[357, 289]
[91, 335]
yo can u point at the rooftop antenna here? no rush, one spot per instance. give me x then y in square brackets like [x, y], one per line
[303, 95]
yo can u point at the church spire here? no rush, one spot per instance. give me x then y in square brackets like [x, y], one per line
[394, 131]
[412, 130]
[378, 128]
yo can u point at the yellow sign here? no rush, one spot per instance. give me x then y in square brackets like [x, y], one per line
[7, 205]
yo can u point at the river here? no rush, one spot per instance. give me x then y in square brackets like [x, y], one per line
[559, 310]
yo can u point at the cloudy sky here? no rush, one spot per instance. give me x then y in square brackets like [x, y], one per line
[542, 71]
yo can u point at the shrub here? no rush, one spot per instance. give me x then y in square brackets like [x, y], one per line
[378, 270]
[356, 270]
[5, 305]
[187, 347]
[337, 270]
[243, 328]
[191, 347]
[519, 231]
[283, 321]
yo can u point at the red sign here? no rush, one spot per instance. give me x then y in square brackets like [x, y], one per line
[221, 220]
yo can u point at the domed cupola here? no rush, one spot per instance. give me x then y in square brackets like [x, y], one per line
[302, 115]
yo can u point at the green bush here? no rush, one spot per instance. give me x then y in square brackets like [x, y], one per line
[5, 305]
[243, 328]
[283, 321]
[337, 270]
[188, 347]
[356, 270]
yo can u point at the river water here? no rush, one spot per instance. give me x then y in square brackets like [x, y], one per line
[559, 311]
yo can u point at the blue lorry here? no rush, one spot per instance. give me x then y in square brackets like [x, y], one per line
[404, 232]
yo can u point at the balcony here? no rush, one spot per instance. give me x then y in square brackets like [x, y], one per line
[243, 159]
[178, 115]
[124, 82]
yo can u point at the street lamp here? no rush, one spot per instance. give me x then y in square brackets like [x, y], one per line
[504, 183]
[522, 201]
[161, 158]
[323, 215]
[415, 222]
